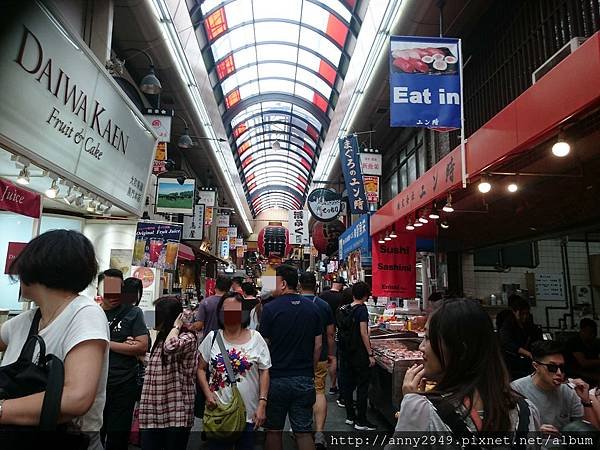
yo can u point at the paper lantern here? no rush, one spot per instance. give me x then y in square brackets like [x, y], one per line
[273, 241]
[325, 236]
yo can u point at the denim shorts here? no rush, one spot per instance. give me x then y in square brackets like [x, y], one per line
[293, 397]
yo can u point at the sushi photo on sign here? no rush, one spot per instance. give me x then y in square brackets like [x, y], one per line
[425, 82]
[430, 60]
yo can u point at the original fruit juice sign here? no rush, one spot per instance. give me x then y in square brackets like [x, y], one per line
[425, 82]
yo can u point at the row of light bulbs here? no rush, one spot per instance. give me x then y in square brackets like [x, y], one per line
[75, 196]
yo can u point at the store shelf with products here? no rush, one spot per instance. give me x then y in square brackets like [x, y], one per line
[393, 356]
[397, 319]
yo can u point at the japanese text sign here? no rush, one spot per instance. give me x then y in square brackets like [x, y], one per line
[372, 188]
[394, 267]
[425, 82]
[370, 163]
[353, 175]
[298, 227]
[356, 237]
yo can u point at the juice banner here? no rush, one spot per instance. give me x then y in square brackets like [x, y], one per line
[156, 245]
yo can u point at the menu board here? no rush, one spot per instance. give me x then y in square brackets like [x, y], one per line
[549, 286]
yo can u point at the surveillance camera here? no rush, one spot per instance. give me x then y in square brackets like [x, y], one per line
[181, 179]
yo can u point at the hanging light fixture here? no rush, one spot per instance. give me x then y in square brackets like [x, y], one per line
[434, 214]
[409, 225]
[52, 191]
[381, 239]
[276, 145]
[70, 197]
[423, 219]
[418, 224]
[561, 148]
[512, 187]
[484, 186]
[80, 200]
[445, 225]
[393, 234]
[150, 84]
[448, 206]
[185, 141]
[23, 177]
[387, 237]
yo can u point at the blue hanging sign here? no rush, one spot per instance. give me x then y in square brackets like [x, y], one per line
[356, 237]
[425, 82]
[355, 186]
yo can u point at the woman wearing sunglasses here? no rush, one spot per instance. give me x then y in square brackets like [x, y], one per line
[557, 401]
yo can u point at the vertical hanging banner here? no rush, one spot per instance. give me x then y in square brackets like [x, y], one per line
[394, 267]
[223, 221]
[425, 82]
[193, 226]
[372, 188]
[298, 227]
[353, 175]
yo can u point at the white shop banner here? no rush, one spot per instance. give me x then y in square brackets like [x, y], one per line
[160, 120]
[232, 232]
[206, 198]
[193, 226]
[63, 110]
[223, 221]
[298, 227]
[370, 163]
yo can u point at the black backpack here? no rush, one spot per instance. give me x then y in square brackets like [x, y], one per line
[347, 326]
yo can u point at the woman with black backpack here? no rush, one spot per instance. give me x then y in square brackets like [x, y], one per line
[472, 393]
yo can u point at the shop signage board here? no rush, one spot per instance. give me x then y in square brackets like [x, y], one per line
[372, 188]
[173, 197]
[324, 204]
[240, 251]
[14, 249]
[193, 226]
[394, 267]
[19, 200]
[223, 220]
[224, 249]
[239, 242]
[370, 162]
[356, 237]
[222, 234]
[207, 198]
[160, 120]
[353, 175]
[437, 181]
[549, 286]
[232, 243]
[298, 227]
[160, 159]
[232, 232]
[120, 259]
[425, 82]
[65, 112]
[208, 215]
[156, 245]
[150, 286]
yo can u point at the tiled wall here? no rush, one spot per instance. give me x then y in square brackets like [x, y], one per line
[482, 284]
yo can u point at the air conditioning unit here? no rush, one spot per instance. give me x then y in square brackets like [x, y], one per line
[565, 51]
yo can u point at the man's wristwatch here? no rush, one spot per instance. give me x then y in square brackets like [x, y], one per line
[587, 404]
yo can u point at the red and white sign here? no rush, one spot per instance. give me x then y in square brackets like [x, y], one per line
[18, 200]
[14, 249]
[371, 188]
[161, 124]
[394, 267]
[370, 163]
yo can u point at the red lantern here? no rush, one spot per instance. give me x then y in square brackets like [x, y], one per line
[273, 241]
[325, 236]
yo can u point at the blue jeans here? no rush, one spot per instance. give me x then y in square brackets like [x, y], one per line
[293, 396]
[245, 442]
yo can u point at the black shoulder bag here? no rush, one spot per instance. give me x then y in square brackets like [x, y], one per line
[25, 377]
[453, 419]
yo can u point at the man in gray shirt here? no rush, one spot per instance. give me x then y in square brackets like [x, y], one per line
[557, 402]
[206, 315]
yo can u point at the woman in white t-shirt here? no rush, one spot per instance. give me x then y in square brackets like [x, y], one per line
[250, 360]
[52, 270]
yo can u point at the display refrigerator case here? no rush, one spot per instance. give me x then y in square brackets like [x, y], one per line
[393, 356]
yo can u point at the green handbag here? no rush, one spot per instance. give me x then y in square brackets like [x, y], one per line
[226, 423]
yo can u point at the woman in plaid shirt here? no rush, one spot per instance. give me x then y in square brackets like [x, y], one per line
[167, 405]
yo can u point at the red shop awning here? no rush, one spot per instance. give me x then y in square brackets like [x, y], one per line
[573, 86]
[185, 253]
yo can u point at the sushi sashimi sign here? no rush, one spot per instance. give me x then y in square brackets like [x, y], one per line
[394, 267]
[425, 82]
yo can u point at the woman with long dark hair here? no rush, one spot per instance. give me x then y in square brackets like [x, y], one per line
[472, 393]
[167, 404]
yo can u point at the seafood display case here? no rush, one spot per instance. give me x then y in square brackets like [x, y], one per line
[394, 355]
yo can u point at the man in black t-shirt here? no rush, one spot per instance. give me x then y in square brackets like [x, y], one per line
[334, 299]
[357, 356]
[128, 340]
[583, 353]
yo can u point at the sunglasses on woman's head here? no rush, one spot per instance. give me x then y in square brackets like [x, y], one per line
[553, 368]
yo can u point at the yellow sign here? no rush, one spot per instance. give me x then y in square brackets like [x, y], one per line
[222, 233]
[161, 151]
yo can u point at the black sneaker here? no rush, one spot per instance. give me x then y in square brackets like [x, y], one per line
[364, 426]
[340, 402]
[334, 391]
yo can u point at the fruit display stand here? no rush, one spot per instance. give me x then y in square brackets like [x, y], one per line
[393, 356]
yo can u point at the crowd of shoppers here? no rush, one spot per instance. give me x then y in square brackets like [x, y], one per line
[276, 354]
